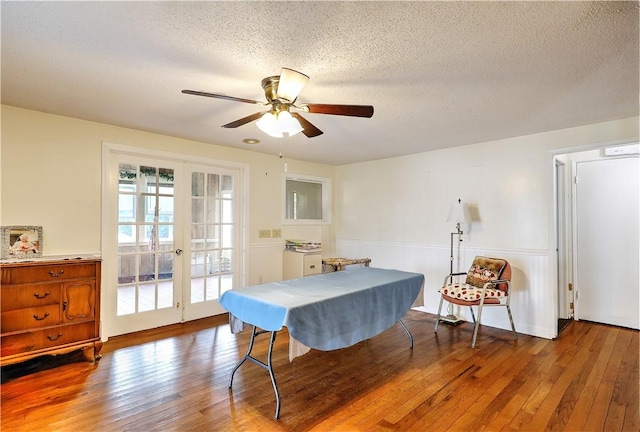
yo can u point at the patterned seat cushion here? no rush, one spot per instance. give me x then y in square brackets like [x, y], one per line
[467, 292]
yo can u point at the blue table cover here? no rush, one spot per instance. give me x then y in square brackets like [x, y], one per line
[328, 311]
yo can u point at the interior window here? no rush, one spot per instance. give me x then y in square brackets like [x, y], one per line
[307, 199]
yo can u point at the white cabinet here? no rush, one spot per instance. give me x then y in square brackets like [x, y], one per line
[298, 264]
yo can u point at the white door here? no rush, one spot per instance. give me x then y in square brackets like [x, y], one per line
[607, 239]
[172, 238]
[214, 238]
[147, 279]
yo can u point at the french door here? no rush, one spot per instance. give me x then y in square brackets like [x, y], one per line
[212, 250]
[146, 283]
[171, 240]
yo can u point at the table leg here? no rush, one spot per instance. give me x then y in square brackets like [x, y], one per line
[268, 366]
[408, 333]
[272, 375]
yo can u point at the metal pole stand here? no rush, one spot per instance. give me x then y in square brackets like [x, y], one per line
[450, 318]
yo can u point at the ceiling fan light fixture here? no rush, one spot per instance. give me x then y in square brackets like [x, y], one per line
[268, 124]
[291, 84]
[279, 124]
[289, 125]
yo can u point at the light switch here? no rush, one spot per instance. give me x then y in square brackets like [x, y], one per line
[264, 234]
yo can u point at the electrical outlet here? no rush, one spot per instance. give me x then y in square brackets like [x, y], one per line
[276, 233]
[264, 234]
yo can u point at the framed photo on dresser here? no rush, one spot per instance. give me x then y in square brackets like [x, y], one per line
[21, 242]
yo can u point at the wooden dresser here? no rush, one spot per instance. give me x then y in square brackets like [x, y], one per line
[49, 307]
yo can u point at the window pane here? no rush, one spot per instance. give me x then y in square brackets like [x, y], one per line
[146, 297]
[126, 237]
[227, 211]
[150, 240]
[165, 265]
[128, 175]
[126, 208]
[212, 287]
[304, 200]
[213, 185]
[126, 300]
[126, 269]
[214, 262]
[166, 177]
[150, 207]
[165, 236]
[213, 237]
[165, 209]
[197, 237]
[225, 261]
[226, 283]
[227, 236]
[147, 267]
[197, 184]
[197, 263]
[165, 294]
[213, 210]
[148, 176]
[197, 210]
[227, 186]
[197, 290]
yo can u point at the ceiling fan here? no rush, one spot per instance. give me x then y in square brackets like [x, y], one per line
[282, 118]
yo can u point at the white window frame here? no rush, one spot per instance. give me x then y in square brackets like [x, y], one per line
[326, 199]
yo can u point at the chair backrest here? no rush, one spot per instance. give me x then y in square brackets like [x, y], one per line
[485, 269]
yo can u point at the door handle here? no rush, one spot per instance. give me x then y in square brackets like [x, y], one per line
[178, 251]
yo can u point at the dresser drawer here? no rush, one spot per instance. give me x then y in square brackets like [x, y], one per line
[46, 338]
[30, 318]
[22, 296]
[47, 273]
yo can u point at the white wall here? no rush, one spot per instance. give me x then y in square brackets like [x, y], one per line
[398, 219]
[51, 176]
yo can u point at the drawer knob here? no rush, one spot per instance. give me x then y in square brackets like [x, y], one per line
[54, 274]
[54, 338]
[38, 318]
[38, 296]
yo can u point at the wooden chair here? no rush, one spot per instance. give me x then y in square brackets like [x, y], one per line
[488, 283]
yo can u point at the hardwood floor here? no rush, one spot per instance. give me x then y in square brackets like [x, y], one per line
[175, 378]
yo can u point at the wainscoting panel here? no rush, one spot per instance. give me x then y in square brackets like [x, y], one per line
[265, 263]
[534, 299]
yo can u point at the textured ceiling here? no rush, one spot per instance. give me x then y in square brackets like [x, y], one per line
[439, 74]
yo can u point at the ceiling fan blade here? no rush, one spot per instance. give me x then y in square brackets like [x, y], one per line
[307, 128]
[345, 110]
[291, 84]
[244, 120]
[219, 96]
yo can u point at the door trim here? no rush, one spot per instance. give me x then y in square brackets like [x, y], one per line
[562, 254]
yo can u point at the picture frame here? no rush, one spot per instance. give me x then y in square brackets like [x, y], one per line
[21, 242]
